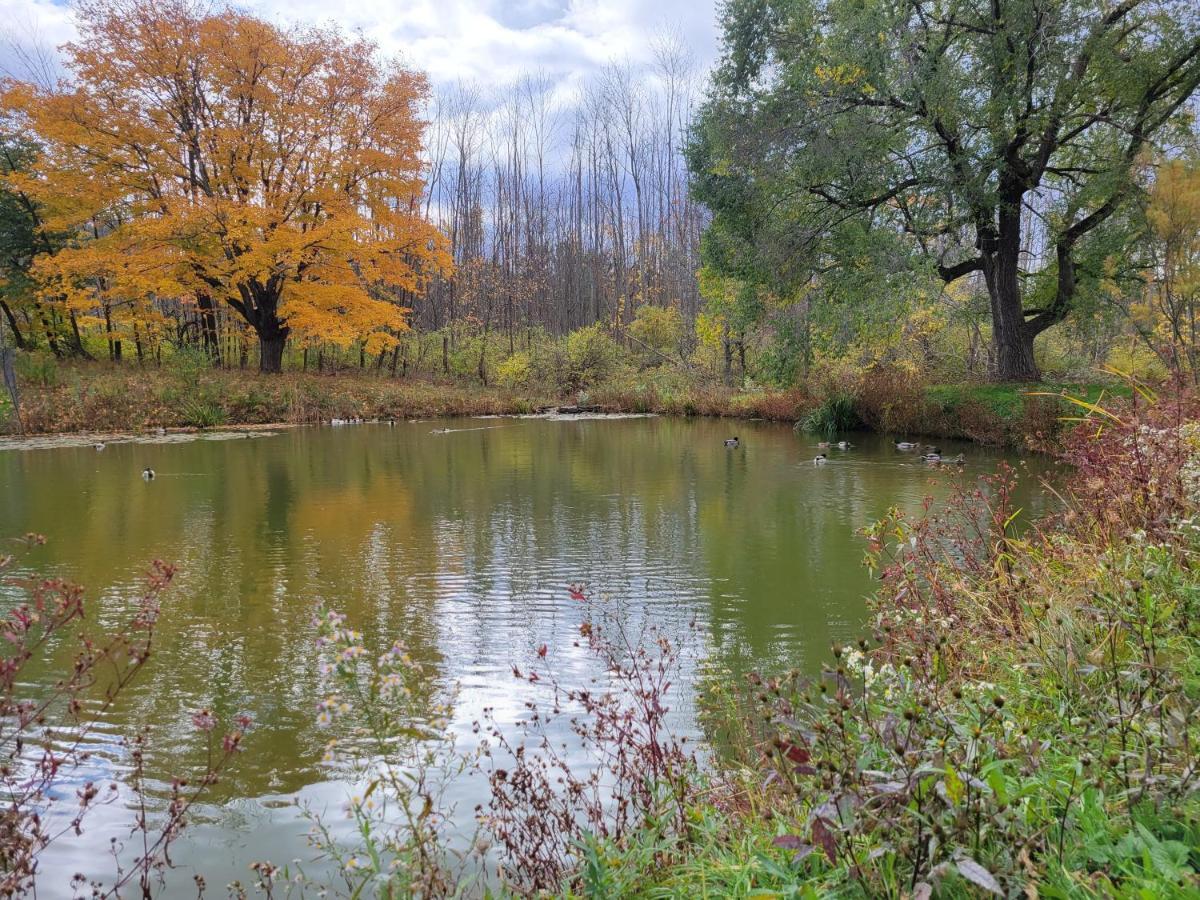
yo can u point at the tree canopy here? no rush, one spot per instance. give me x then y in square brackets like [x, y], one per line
[996, 140]
[206, 153]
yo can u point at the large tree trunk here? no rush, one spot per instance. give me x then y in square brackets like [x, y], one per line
[1013, 354]
[272, 337]
[1012, 338]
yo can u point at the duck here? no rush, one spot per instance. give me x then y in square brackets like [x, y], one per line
[99, 445]
[933, 458]
[844, 445]
[732, 442]
[823, 445]
[820, 459]
[959, 460]
[148, 474]
[160, 431]
[906, 445]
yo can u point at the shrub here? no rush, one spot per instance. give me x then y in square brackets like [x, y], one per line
[38, 368]
[188, 362]
[1004, 729]
[592, 356]
[204, 410]
[893, 402]
[515, 371]
[659, 328]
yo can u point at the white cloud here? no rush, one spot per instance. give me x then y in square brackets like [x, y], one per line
[488, 41]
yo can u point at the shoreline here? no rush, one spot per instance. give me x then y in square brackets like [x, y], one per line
[96, 401]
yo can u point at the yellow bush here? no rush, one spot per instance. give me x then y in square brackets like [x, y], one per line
[515, 371]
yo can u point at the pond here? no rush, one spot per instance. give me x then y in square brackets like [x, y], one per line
[461, 537]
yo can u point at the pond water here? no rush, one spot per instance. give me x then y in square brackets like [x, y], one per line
[462, 543]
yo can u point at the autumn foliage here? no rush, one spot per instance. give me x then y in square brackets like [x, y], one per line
[203, 154]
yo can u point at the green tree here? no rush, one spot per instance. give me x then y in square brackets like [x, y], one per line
[23, 238]
[995, 139]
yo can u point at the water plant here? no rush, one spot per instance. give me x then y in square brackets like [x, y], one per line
[46, 737]
[833, 414]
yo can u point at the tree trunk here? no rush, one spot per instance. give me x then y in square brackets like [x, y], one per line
[75, 339]
[1012, 339]
[727, 347]
[208, 326]
[18, 338]
[272, 337]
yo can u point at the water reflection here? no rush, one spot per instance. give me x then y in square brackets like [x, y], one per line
[462, 544]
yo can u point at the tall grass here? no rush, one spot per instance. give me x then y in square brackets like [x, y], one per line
[836, 413]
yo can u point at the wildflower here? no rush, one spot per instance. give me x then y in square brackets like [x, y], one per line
[203, 720]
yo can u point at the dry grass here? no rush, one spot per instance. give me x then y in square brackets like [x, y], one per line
[103, 397]
[92, 397]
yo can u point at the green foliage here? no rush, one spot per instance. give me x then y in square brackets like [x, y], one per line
[188, 362]
[660, 328]
[203, 409]
[515, 371]
[1008, 401]
[592, 355]
[38, 368]
[21, 236]
[836, 413]
[848, 148]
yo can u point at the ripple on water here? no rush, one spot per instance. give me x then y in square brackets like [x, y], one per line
[465, 545]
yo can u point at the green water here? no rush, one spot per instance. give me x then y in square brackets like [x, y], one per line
[461, 543]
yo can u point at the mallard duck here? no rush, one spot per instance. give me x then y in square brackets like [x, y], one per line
[823, 445]
[959, 460]
[820, 459]
[932, 458]
[732, 442]
[99, 445]
[160, 431]
[906, 445]
[148, 474]
[844, 445]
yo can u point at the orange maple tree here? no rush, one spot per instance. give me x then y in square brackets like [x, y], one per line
[213, 155]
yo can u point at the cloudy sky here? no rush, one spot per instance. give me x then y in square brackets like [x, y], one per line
[491, 41]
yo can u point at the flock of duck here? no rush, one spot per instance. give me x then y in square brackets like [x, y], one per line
[930, 453]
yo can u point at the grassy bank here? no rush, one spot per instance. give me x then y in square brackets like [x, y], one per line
[73, 397]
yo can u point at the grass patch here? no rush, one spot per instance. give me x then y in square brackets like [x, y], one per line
[1008, 401]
